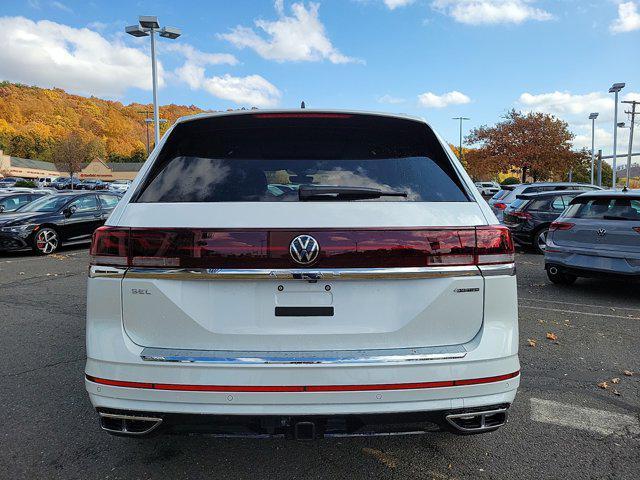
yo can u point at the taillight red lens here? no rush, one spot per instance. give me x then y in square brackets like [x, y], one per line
[234, 249]
[524, 215]
[494, 245]
[110, 246]
[500, 206]
[560, 226]
[637, 229]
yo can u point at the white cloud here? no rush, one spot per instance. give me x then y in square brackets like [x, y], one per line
[491, 12]
[575, 110]
[393, 4]
[299, 37]
[390, 99]
[431, 100]
[61, 6]
[79, 60]
[628, 18]
[249, 91]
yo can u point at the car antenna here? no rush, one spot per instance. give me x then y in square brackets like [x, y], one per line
[302, 105]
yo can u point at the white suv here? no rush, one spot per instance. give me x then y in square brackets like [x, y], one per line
[302, 274]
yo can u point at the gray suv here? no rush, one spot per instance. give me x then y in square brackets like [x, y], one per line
[598, 235]
[501, 200]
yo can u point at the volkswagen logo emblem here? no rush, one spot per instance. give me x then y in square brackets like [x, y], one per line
[602, 232]
[304, 249]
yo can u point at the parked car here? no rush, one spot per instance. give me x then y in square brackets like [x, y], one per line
[8, 182]
[375, 292]
[43, 182]
[529, 216]
[93, 185]
[597, 236]
[10, 202]
[64, 183]
[48, 222]
[488, 189]
[120, 186]
[501, 200]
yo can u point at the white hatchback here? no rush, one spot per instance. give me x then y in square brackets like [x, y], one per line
[302, 274]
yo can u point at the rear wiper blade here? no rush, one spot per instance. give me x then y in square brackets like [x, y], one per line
[320, 192]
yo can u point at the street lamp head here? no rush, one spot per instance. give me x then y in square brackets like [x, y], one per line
[170, 32]
[593, 116]
[616, 87]
[620, 124]
[149, 21]
[136, 31]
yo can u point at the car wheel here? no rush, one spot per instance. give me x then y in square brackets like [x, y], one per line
[557, 276]
[540, 240]
[46, 241]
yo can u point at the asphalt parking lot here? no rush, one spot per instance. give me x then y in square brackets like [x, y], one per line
[562, 425]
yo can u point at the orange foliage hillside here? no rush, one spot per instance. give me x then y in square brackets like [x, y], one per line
[33, 120]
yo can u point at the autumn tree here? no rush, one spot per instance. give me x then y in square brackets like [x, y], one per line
[537, 144]
[72, 151]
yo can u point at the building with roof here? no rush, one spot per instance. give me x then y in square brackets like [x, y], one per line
[96, 169]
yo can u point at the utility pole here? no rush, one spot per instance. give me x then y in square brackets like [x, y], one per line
[461, 119]
[615, 89]
[599, 168]
[593, 117]
[633, 104]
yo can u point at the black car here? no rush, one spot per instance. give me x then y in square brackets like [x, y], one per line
[10, 202]
[66, 182]
[93, 185]
[529, 216]
[53, 220]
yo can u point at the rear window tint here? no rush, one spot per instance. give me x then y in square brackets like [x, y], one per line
[266, 158]
[517, 203]
[605, 209]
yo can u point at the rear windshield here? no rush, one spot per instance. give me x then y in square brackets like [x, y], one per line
[605, 209]
[517, 203]
[268, 157]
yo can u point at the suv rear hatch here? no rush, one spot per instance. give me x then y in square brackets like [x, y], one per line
[599, 223]
[225, 252]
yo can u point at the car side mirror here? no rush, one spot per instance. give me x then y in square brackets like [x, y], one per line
[70, 210]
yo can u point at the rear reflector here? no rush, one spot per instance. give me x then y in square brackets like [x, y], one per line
[302, 388]
[250, 249]
[560, 226]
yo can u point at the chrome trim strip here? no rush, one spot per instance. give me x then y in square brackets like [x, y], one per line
[501, 269]
[297, 274]
[96, 271]
[335, 357]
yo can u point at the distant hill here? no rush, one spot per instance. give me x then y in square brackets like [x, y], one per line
[33, 120]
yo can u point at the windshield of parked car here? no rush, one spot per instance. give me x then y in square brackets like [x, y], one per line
[49, 203]
[263, 161]
[605, 208]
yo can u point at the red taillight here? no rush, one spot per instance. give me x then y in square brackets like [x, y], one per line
[560, 226]
[110, 246]
[523, 215]
[494, 245]
[637, 229]
[357, 248]
[500, 206]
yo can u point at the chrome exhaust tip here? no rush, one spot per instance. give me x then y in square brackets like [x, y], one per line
[129, 425]
[476, 422]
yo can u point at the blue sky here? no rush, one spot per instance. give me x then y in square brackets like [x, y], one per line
[433, 58]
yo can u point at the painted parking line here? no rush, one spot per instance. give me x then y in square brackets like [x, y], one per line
[577, 304]
[576, 312]
[600, 422]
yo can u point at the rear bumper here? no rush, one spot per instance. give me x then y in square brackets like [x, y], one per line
[308, 427]
[584, 265]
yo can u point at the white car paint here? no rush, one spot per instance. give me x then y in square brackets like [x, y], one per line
[225, 315]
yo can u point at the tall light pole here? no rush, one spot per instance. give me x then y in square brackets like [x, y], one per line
[615, 89]
[147, 27]
[593, 117]
[462, 119]
[633, 119]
